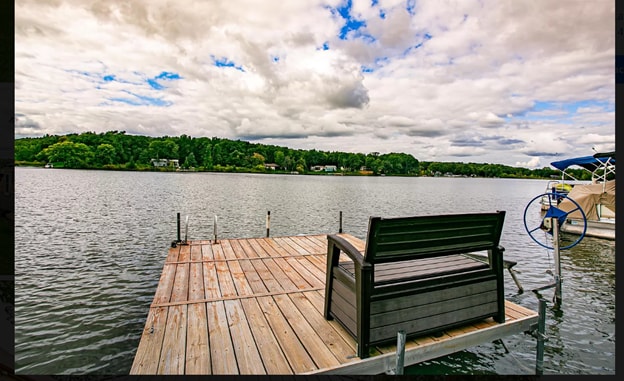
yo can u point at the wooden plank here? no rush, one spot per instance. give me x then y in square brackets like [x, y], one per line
[343, 350]
[308, 335]
[222, 355]
[165, 284]
[319, 263]
[298, 358]
[173, 254]
[516, 311]
[290, 245]
[259, 245]
[316, 247]
[317, 243]
[228, 252]
[196, 281]
[266, 275]
[297, 280]
[197, 349]
[196, 252]
[311, 268]
[247, 355]
[217, 251]
[181, 283]
[211, 281]
[273, 247]
[279, 275]
[226, 283]
[246, 248]
[207, 254]
[172, 355]
[253, 279]
[273, 357]
[147, 355]
[239, 277]
[185, 253]
[304, 273]
[317, 298]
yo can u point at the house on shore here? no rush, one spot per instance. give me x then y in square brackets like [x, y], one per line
[175, 163]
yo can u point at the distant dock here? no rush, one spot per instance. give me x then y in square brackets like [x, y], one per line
[255, 306]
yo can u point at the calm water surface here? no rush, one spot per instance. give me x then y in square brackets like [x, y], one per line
[90, 245]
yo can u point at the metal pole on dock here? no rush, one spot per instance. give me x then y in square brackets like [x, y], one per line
[215, 229]
[400, 360]
[541, 328]
[340, 224]
[186, 231]
[179, 240]
[268, 223]
[557, 297]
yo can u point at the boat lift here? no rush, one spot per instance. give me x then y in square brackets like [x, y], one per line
[551, 223]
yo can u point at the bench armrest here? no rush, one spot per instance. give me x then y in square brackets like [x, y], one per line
[346, 247]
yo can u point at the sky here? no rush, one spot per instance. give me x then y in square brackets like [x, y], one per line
[519, 83]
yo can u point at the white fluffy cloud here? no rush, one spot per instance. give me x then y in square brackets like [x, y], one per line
[486, 81]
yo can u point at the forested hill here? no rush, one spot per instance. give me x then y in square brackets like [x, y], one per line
[116, 150]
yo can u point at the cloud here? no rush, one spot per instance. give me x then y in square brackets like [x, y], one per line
[532, 163]
[484, 81]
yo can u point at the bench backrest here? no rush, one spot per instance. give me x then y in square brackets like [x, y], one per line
[403, 238]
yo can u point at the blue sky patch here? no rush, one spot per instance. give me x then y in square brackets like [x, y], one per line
[411, 4]
[352, 26]
[562, 112]
[155, 85]
[224, 62]
[141, 100]
[167, 75]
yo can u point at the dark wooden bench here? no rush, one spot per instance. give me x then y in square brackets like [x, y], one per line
[413, 276]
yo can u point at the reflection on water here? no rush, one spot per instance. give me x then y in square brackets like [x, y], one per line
[90, 247]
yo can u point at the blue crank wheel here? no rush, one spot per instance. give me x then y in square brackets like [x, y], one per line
[552, 200]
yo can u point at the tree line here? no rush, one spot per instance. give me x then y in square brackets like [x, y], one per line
[119, 151]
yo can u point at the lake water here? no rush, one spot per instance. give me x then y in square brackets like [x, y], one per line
[90, 246]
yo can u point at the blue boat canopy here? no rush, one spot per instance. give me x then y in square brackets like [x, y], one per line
[588, 162]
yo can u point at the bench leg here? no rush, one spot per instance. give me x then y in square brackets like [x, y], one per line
[333, 255]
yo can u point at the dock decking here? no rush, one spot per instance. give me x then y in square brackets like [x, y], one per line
[255, 306]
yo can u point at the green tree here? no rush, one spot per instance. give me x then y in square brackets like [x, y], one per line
[190, 161]
[356, 161]
[163, 149]
[279, 158]
[256, 160]
[207, 161]
[288, 163]
[105, 154]
[72, 155]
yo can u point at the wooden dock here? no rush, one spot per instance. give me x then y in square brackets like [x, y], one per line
[255, 306]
